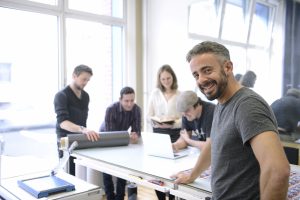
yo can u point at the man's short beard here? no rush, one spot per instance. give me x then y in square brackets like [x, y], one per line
[220, 87]
[78, 87]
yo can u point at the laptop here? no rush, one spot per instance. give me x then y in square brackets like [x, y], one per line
[157, 144]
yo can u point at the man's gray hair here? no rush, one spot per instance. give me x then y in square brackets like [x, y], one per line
[209, 47]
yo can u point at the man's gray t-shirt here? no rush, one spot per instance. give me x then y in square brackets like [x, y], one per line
[235, 170]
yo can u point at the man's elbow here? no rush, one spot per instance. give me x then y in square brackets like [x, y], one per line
[283, 174]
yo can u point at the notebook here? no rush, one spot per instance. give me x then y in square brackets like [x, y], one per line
[157, 144]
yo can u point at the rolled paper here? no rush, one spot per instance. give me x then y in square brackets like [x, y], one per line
[106, 139]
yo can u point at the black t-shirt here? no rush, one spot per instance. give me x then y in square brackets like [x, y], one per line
[69, 107]
[287, 112]
[201, 126]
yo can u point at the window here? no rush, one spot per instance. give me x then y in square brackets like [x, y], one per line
[101, 7]
[262, 24]
[29, 45]
[246, 28]
[40, 47]
[83, 45]
[235, 18]
[49, 2]
[203, 18]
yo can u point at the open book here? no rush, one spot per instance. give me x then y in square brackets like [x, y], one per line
[162, 120]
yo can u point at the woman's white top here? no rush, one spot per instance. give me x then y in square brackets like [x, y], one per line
[160, 107]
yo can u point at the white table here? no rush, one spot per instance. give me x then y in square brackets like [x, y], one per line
[131, 163]
[26, 167]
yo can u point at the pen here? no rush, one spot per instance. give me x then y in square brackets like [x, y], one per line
[157, 182]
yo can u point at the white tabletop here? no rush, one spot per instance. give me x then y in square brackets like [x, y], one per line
[134, 157]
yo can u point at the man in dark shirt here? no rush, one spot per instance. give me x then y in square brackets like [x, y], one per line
[121, 115]
[197, 118]
[71, 108]
[287, 112]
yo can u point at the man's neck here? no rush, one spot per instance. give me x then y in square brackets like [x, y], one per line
[231, 89]
[200, 109]
[76, 91]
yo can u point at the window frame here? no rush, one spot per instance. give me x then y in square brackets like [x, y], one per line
[62, 12]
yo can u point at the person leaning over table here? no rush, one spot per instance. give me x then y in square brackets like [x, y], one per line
[197, 118]
[120, 116]
[162, 103]
[71, 108]
[287, 113]
[245, 153]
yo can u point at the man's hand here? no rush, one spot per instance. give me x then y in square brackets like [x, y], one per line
[91, 135]
[183, 177]
[185, 135]
[175, 147]
[134, 137]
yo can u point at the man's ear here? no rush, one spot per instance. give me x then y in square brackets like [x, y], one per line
[228, 67]
[73, 76]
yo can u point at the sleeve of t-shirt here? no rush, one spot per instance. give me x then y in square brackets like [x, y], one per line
[186, 124]
[137, 122]
[109, 119]
[61, 108]
[253, 116]
[207, 122]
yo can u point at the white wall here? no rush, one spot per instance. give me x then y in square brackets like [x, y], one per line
[167, 41]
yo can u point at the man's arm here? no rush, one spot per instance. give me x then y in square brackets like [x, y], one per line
[274, 166]
[62, 115]
[194, 143]
[74, 128]
[136, 126]
[202, 164]
[180, 142]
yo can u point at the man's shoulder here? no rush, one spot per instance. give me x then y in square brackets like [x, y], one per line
[115, 105]
[137, 106]
[62, 93]
[246, 95]
[208, 106]
[64, 90]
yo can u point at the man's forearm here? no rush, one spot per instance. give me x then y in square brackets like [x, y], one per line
[274, 187]
[203, 161]
[180, 143]
[70, 126]
[197, 144]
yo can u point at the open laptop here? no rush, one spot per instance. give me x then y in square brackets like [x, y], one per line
[157, 144]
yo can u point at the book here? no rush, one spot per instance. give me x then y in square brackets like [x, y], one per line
[44, 186]
[162, 120]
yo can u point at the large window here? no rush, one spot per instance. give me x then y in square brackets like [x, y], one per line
[246, 27]
[29, 48]
[41, 43]
[104, 7]
[233, 20]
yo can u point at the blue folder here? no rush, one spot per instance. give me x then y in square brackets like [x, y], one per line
[44, 186]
